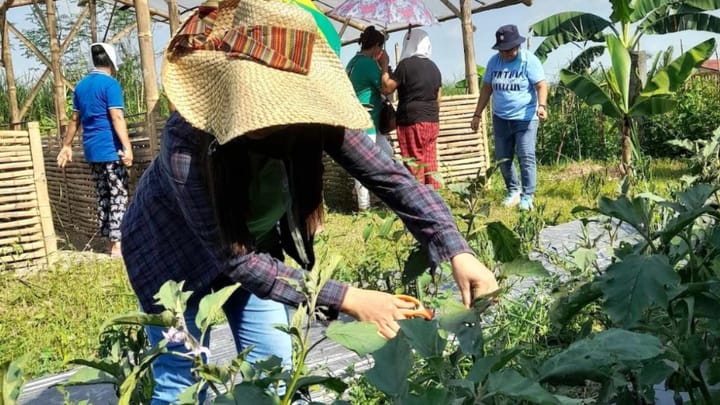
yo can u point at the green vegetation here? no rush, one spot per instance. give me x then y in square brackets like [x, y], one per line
[56, 315]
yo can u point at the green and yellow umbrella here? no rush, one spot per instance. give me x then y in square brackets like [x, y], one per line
[324, 25]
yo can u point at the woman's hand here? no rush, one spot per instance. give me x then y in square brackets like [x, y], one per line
[472, 277]
[64, 156]
[382, 309]
[126, 157]
[475, 123]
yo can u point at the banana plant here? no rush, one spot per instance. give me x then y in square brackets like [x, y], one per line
[612, 91]
[628, 22]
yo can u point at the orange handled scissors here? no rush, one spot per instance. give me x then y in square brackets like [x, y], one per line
[418, 311]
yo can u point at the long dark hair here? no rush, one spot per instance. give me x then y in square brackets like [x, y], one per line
[229, 176]
[371, 37]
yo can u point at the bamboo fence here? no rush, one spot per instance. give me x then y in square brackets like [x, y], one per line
[27, 236]
[72, 190]
[462, 152]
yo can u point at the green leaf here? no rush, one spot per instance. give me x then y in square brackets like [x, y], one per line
[360, 337]
[621, 11]
[423, 336]
[633, 212]
[90, 376]
[12, 379]
[684, 22]
[416, 264]
[431, 396]
[331, 383]
[211, 306]
[643, 8]
[172, 297]
[620, 69]
[584, 61]
[568, 27]
[189, 396]
[636, 284]
[386, 226]
[513, 385]
[566, 307]
[392, 367]
[672, 77]
[655, 105]
[590, 91]
[506, 243]
[465, 324]
[593, 358]
[483, 366]
[101, 367]
[697, 196]
[245, 393]
[523, 267]
[679, 223]
[163, 319]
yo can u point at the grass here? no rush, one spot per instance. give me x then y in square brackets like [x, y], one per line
[56, 315]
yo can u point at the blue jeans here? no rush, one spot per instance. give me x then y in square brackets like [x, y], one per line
[251, 321]
[516, 137]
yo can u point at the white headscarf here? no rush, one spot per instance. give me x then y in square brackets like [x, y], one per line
[110, 51]
[416, 43]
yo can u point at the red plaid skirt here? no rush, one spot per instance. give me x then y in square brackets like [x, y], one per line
[419, 143]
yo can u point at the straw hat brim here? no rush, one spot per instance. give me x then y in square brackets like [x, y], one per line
[229, 97]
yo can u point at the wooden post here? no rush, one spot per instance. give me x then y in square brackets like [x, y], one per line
[43, 198]
[9, 74]
[466, 24]
[174, 15]
[92, 5]
[147, 58]
[58, 85]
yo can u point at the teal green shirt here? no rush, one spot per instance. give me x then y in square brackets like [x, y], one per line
[364, 73]
[268, 196]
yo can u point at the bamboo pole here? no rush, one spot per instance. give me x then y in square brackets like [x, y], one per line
[466, 24]
[59, 88]
[38, 53]
[43, 199]
[174, 15]
[9, 73]
[92, 5]
[65, 45]
[147, 58]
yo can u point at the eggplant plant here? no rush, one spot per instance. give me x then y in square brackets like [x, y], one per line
[666, 285]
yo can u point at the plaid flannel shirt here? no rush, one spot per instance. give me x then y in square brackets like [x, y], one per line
[170, 232]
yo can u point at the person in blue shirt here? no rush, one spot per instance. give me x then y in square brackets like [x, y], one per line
[98, 110]
[515, 79]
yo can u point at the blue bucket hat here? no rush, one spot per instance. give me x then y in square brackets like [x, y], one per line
[507, 37]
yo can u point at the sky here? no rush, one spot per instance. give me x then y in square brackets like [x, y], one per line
[446, 37]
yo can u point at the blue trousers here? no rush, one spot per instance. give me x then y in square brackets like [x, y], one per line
[516, 138]
[251, 321]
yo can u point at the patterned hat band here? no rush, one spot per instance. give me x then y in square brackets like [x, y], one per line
[278, 47]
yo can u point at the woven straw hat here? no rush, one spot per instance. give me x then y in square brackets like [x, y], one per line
[245, 65]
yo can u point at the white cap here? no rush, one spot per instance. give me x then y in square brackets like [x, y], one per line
[109, 50]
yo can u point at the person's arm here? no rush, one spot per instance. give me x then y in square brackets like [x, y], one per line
[65, 154]
[485, 93]
[387, 83]
[439, 96]
[421, 209]
[259, 273]
[542, 93]
[117, 117]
